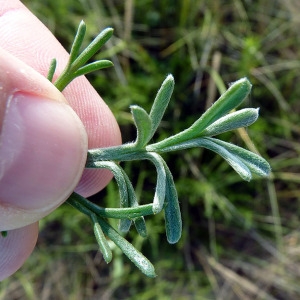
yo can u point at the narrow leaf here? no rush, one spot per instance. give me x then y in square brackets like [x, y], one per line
[143, 125]
[161, 102]
[92, 67]
[232, 159]
[132, 253]
[140, 226]
[92, 48]
[77, 42]
[160, 190]
[210, 143]
[172, 210]
[124, 224]
[232, 98]
[255, 163]
[119, 177]
[101, 240]
[52, 69]
[241, 118]
[139, 222]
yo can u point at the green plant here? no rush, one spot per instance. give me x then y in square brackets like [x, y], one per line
[217, 119]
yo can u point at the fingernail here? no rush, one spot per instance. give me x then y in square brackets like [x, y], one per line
[42, 153]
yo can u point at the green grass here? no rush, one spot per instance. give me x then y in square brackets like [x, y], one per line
[240, 240]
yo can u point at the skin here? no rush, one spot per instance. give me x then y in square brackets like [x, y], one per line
[44, 134]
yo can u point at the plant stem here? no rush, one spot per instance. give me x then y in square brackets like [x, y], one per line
[85, 206]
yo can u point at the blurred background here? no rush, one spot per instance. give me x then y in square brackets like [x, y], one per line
[241, 240]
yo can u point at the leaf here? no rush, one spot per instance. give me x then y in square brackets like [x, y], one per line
[124, 224]
[77, 42]
[254, 162]
[139, 222]
[161, 102]
[210, 143]
[76, 62]
[233, 97]
[92, 67]
[52, 69]
[92, 48]
[160, 189]
[132, 253]
[241, 118]
[140, 226]
[102, 242]
[240, 159]
[119, 177]
[143, 125]
[233, 160]
[172, 210]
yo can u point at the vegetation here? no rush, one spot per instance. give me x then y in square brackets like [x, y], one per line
[240, 240]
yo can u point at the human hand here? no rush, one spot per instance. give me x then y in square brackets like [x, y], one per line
[43, 142]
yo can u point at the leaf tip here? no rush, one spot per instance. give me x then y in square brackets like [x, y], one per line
[109, 30]
[266, 171]
[170, 77]
[242, 86]
[243, 81]
[173, 239]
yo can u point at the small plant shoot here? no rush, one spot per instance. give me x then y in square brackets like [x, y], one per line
[217, 119]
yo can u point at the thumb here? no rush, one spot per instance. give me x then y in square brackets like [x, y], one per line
[43, 145]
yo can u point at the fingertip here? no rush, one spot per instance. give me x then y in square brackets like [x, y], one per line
[15, 248]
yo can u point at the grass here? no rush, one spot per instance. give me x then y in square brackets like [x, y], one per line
[240, 239]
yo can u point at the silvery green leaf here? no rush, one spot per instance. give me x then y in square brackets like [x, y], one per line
[124, 224]
[139, 222]
[119, 177]
[254, 162]
[128, 249]
[241, 118]
[131, 193]
[232, 98]
[161, 102]
[234, 161]
[102, 242]
[237, 164]
[160, 190]
[143, 125]
[140, 226]
[172, 210]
